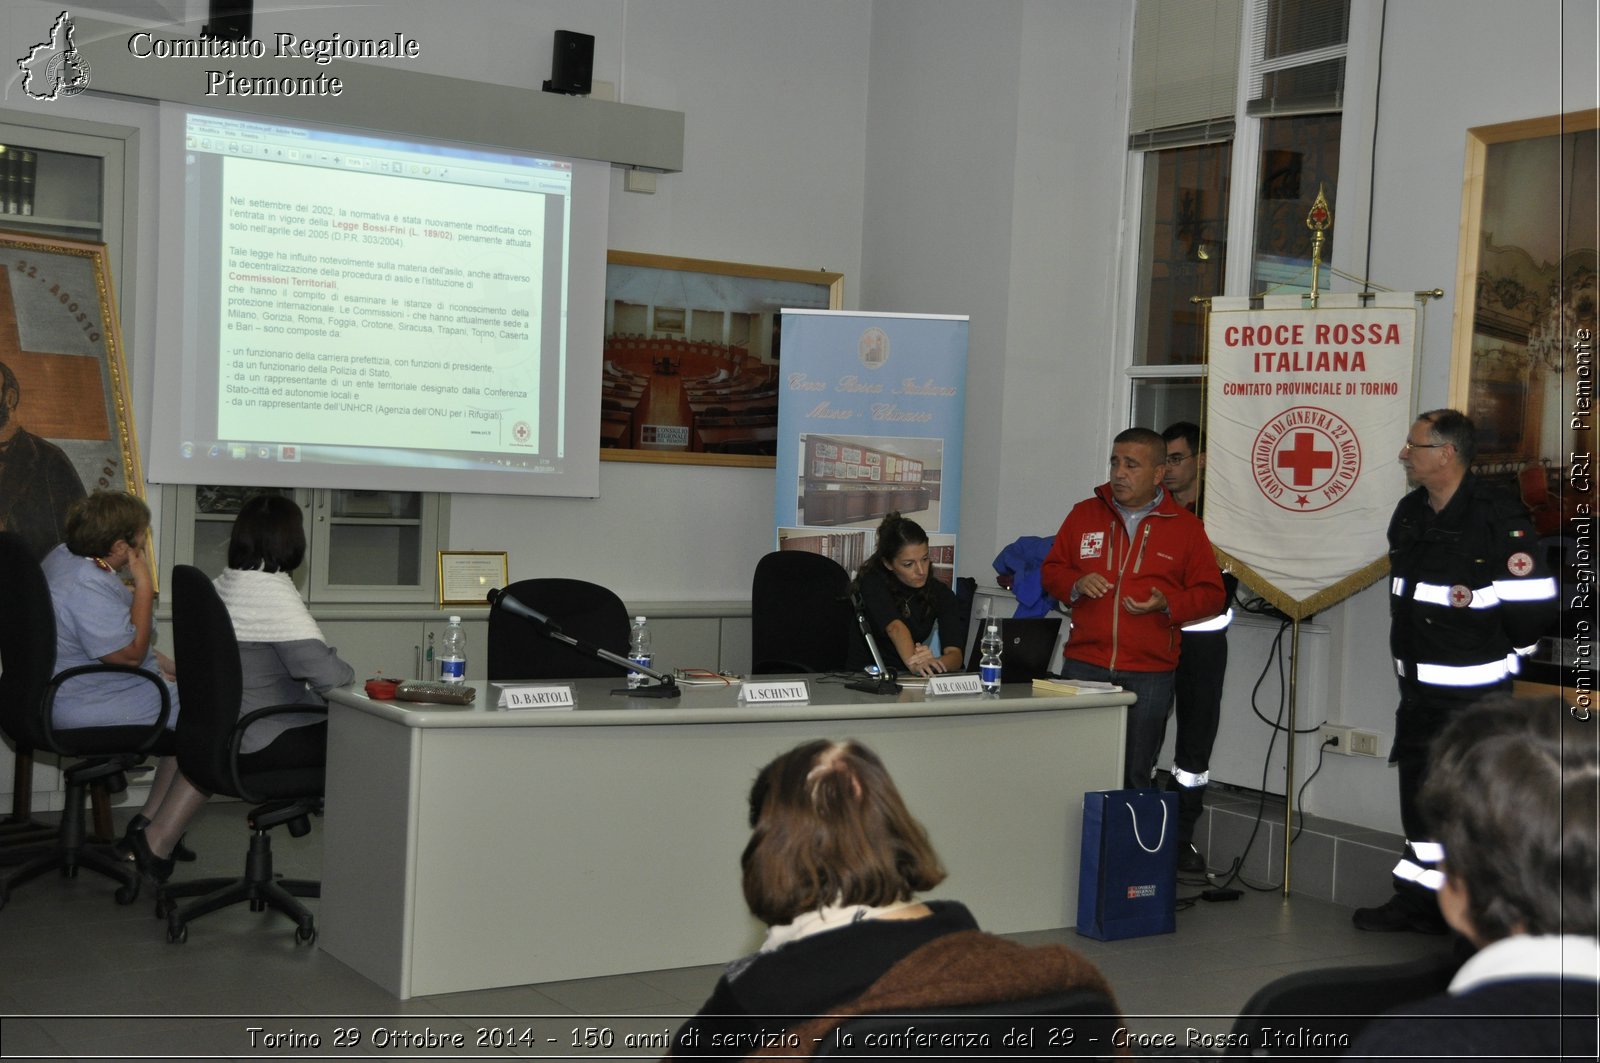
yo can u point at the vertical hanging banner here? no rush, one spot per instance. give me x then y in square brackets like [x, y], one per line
[1305, 413]
[871, 411]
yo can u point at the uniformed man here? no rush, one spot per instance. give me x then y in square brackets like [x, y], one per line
[1469, 595]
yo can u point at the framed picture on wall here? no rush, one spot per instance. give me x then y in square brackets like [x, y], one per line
[692, 357]
[1525, 291]
[66, 420]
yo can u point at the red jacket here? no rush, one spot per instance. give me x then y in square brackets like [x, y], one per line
[1171, 554]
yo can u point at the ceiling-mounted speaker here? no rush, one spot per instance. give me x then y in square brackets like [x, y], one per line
[229, 20]
[572, 65]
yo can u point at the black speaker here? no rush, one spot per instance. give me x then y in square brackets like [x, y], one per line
[572, 65]
[230, 20]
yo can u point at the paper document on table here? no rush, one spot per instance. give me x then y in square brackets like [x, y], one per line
[1074, 686]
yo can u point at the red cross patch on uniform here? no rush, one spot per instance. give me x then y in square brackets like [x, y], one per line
[1460, 596]
[1519, 564]
[1093, 544]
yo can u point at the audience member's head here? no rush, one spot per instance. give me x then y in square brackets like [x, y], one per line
[97, 522]
[829, 828]
[1513, 803]
[269, 534]
[1455, 428]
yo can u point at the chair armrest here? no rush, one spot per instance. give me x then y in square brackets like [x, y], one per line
[236, 738]
[47, 703]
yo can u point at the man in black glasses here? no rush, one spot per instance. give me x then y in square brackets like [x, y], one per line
[1469, 595]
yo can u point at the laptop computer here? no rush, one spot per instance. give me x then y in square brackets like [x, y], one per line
[1029, 647]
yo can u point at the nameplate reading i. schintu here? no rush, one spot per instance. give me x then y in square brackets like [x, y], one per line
[540, 697]
[787, 690]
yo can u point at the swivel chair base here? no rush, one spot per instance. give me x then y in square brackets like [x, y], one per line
[259, 885]
[71, 850]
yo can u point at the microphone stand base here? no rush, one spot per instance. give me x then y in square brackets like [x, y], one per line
[668, 689]
[875, 685]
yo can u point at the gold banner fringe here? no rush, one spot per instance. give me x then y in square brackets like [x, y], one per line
[1296, 608]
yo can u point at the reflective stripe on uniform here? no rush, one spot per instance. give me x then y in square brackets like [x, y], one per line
[1460, 675]
[1422, 876]
[1439, 594]
[1397, 586]
[1188, 780]
[1526, 590]
[1427, 852]
[1216, 623]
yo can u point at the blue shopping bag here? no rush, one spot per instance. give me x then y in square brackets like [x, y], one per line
[1128, 869]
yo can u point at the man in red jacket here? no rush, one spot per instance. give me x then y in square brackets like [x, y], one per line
[1135, 567]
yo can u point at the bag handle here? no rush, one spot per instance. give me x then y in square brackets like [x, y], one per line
[1161, 838]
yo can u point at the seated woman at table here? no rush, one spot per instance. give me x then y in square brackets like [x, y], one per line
[834, 866]
[285, 659]
[914, 618]
[101, 619]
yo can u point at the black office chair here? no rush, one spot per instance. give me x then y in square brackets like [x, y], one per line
[210, 687]
[1333, 1001]
[1076, 1023]
[800, 614]
[586, 611]
[104, 755]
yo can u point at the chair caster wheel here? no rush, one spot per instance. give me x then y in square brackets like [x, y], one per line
[165, 906]
[129, 893]
[306, 935]
[178, 935]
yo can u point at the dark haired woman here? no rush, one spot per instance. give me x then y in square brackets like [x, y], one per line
[285, 659]
[101, 619]
[914, 618]
[833, 867]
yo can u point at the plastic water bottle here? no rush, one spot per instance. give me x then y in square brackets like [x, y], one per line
[639, 650]
[453, 653]
[989, 663]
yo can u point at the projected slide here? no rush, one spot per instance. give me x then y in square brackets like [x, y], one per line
[344, 309]
[391, 323]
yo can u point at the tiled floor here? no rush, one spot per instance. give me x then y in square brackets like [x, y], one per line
[85, 977]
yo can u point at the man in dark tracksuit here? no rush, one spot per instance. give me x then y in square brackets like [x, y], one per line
[1469, 595]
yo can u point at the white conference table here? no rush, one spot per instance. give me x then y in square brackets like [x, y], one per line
[473, 847]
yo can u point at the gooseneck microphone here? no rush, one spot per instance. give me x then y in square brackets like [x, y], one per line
[503, 600]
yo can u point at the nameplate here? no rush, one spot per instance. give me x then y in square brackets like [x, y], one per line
[792, 690]
[540, 697]
[954, 684]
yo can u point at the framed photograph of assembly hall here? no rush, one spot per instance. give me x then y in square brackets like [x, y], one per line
[1524, 294]
[692, 356]
[66, 420]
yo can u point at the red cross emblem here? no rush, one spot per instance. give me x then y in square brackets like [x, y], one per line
[1519, 564]
[1460, 596]
[1305, 459]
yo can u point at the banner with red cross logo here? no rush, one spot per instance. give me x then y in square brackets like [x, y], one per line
[1305, 411]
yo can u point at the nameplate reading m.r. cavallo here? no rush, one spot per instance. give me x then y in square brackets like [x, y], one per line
[789, 690]
[966, 683]
[539, 697]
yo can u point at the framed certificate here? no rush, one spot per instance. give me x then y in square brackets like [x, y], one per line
[467, 576]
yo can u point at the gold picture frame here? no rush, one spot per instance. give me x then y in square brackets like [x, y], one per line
[1526, 284]
[467, 576]
[67, 385]
[691, 357]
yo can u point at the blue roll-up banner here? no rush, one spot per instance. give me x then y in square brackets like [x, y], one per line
[871, 409]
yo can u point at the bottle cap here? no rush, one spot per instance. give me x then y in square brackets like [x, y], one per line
[455, 620]
[638, 620]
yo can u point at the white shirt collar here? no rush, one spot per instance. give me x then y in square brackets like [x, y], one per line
[1530, 956]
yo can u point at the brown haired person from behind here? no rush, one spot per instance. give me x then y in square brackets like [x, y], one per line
[1512, 800]
[834, 867]
[101, 619]
[914, 617]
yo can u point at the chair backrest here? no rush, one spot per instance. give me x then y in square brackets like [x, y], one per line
[1003, 1030]
[800, 616]
[586, 611]
[27, 643]
[210, 680]
[1335, 1000]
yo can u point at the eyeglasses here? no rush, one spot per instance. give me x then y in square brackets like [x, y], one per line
[1175, 460]
[1410, 446]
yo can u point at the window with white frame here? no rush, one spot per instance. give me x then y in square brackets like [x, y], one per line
[1213, 162]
